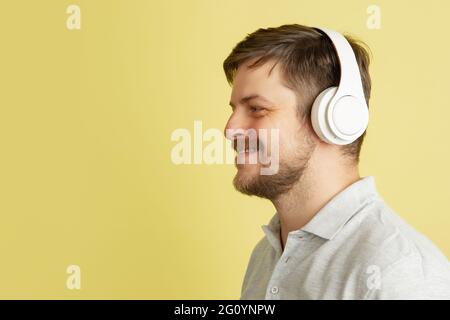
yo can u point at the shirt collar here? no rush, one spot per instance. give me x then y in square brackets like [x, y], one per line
[330, 219]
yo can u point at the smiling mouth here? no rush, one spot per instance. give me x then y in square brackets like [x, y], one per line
[246, 146]
[246, 156]
[247, 150]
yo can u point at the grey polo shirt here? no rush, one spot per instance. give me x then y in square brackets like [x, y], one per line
[355, 247]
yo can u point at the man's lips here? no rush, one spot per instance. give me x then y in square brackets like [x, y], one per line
[246, 147]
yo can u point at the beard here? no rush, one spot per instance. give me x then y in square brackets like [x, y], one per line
[273, 186]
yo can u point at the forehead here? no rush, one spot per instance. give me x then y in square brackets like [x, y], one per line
[265, 80]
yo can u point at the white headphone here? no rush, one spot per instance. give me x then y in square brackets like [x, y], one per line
[340, 115]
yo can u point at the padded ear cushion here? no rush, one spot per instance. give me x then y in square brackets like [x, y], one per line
[318, 115]
[349, 116]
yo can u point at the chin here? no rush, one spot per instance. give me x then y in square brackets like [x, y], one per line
[248, 171]
[246, 176]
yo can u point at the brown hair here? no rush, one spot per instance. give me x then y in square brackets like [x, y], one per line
[308, 61]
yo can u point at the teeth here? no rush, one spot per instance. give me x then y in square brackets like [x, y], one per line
[248, 150]
[247, 147]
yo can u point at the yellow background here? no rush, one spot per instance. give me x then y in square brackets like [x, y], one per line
[85, 123]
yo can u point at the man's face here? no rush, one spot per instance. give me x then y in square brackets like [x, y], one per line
[261, 101]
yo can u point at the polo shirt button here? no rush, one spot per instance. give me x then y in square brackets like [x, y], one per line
[274, 290]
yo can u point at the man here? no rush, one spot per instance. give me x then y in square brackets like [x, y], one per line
[332, 236]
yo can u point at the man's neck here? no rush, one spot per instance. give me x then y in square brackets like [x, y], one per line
[312, 192]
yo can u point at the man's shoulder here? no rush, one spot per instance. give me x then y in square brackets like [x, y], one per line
[387, 237]
[381, 241]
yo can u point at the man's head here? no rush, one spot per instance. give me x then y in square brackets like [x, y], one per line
[287, 67]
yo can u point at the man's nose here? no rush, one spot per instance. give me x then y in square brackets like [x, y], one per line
[236, 125]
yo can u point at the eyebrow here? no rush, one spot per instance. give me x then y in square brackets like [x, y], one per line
[250, 97]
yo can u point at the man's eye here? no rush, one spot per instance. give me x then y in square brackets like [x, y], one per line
[256, 109]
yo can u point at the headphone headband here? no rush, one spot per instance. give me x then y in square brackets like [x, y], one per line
[350, 82]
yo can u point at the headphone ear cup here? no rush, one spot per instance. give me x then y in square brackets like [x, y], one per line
[318, 115]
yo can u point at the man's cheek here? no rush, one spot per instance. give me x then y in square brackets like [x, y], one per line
[271, 156]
